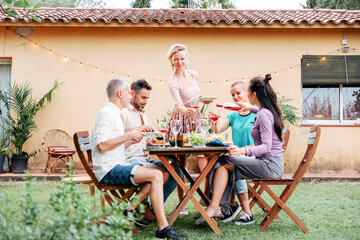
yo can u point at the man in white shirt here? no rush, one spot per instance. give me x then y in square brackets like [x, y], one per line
[133, 117]
[110, 167]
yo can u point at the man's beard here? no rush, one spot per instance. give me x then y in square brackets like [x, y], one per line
[137, 106]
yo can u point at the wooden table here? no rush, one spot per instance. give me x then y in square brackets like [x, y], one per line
[180, 155]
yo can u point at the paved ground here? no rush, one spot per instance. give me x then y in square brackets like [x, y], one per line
[307, 177]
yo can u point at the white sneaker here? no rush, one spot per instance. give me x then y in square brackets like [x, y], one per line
[184, 212]
[245, 219]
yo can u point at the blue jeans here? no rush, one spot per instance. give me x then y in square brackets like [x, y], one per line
[121, 175]
[170, 184]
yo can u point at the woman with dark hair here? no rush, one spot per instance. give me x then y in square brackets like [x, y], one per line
[268, 152]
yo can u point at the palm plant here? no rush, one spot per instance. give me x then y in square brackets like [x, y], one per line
[22, 108]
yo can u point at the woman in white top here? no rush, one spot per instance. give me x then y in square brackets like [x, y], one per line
[183, 85]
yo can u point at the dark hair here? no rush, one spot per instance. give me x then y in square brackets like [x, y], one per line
[268, 99]
[140, 84]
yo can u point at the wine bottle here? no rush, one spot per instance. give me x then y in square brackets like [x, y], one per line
[230, 106]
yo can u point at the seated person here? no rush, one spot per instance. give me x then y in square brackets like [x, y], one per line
[241, 123]
[133, 117]
[268, 161]
[110, 167]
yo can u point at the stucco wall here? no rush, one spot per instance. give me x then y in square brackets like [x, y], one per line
[217, 54]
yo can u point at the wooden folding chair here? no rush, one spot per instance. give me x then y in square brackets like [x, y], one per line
[83, 148]
[290, 183]
[263, 205]
[58, 146]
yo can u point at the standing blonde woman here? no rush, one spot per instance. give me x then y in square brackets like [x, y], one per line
[183, 86]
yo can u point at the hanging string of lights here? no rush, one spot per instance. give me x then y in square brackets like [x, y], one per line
[130, 76]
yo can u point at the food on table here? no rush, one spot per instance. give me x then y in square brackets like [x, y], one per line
[213, 137]
[159, 142]
[197, 139]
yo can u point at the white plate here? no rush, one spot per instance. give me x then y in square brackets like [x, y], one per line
[207, 99]
[150, 134]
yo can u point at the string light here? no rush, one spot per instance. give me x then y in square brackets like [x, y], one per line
[66, 58]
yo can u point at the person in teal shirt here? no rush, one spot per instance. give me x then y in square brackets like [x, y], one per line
[241, 124]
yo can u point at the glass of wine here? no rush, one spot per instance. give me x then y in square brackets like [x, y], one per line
[163, 130]
[195, 104]
[175, 128]
[214, 116]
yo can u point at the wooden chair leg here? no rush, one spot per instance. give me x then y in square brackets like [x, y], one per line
[279, 204]
[102, 201]
[92, 189]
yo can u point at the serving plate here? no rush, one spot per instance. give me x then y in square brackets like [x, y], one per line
[207, 99]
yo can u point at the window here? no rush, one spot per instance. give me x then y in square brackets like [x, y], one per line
[331, 89]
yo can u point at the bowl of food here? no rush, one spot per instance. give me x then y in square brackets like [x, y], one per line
[197, 139]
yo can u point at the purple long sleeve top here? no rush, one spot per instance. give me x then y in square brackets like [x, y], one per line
[267, 143]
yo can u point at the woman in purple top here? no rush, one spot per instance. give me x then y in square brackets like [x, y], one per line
[265, 159]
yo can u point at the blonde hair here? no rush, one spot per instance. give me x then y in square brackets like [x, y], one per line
[174, 49]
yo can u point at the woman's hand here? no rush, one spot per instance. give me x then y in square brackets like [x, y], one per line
[235, 151]
[211, 114]
[244, 106]
[188, 111]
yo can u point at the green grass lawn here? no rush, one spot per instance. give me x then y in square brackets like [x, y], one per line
[330, 210]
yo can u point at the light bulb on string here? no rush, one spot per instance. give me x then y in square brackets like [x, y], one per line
[275, 72]
[65, 58]
[226, 81]
[50, 51]
[292, 69]
[160, 81]
[129, 78]
[35, 44]
[80, 63]
[112, 73]
[96, 68]
[210, 82]
[323, 58]
[307, 64]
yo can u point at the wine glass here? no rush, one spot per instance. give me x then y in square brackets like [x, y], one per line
[175, 128]
[194, 104]
[203, 126]
[163, 130]
[214, 116]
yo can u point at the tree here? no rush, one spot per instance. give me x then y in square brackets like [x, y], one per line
[333, 4]
[141, 4]
[223, 4]
[70, 3]
[6, 7]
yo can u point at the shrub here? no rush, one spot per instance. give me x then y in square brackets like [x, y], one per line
[70, 216]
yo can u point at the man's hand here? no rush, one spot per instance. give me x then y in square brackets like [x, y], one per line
[135, 134]
[151, 142]
[235, 151]
[145, 128]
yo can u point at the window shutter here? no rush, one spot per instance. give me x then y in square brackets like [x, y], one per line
[332, 70]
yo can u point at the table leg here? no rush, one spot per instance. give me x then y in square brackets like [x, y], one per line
[189, 178]
[189, 192]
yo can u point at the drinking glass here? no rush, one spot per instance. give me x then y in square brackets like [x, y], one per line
[214, 116]
[194, 104]
[203, 126]
[163, 130]
[175, 128]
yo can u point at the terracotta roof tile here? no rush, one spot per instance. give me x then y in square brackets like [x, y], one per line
[190, 16]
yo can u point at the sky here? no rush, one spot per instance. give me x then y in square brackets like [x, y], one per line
[240, 4]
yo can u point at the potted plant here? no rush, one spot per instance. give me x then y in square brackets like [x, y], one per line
[19, 122]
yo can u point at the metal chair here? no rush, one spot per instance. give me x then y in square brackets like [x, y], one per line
[58, 146]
